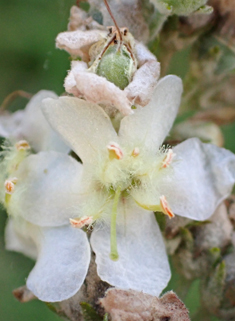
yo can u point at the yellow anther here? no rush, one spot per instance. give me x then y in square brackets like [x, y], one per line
[22, 145]
[135, 152]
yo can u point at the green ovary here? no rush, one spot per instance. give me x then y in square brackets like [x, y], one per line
[116, 67]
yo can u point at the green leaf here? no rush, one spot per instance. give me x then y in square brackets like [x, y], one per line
[106, 317]
[54, 307]
[84, 6]
[89, 313]
[161, 219]
[197, 223]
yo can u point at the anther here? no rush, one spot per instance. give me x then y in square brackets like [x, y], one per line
[125, 31]
[115, 151]
[10, 185]
[81, 222]
[135, 152]
[168, 158]
[165, 207]
[110, 30]
[22, 145]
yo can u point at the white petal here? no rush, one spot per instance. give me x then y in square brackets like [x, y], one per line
[9, 123]
[151, 124]
[204, 175]
[143, 54]
[18, 241]
[83, 125]
[70, 82]
[78, 42]
[47, 190]
[62, 264]
[143, 263]
[99, 90]
[35, 128]
[141, 88]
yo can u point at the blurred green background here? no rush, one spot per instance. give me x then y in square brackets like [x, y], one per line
[29, 61]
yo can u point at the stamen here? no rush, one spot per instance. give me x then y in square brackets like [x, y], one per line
[22, 145]
[81, 222]
[9, 189]
[113, 232]
[168, 158]
[115, 151]
[135, 152]
[165, 207]
[10, 185]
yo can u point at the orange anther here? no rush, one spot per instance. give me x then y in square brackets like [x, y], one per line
[165, 207]
[10, 185]
[81, 222]
[115, 150]
[168, 158]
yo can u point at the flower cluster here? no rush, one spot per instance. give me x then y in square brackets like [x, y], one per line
[125, 174]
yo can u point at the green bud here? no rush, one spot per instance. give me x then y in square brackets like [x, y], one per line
[116, 66]
[182, 7]
[89, 313]
[213, 288]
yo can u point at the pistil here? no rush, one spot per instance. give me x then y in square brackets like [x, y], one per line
[113, 232]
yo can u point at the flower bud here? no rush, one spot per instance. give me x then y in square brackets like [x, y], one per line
[182, 7]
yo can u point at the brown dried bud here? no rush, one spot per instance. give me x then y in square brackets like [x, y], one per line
[225, 9]
[132, 305]
[23, 294]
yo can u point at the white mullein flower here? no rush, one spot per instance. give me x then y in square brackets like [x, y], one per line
[37, 192]
[128, 175]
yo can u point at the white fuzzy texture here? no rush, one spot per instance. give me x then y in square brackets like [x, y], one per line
[78, 43]
[98, 90]
[141, 88]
